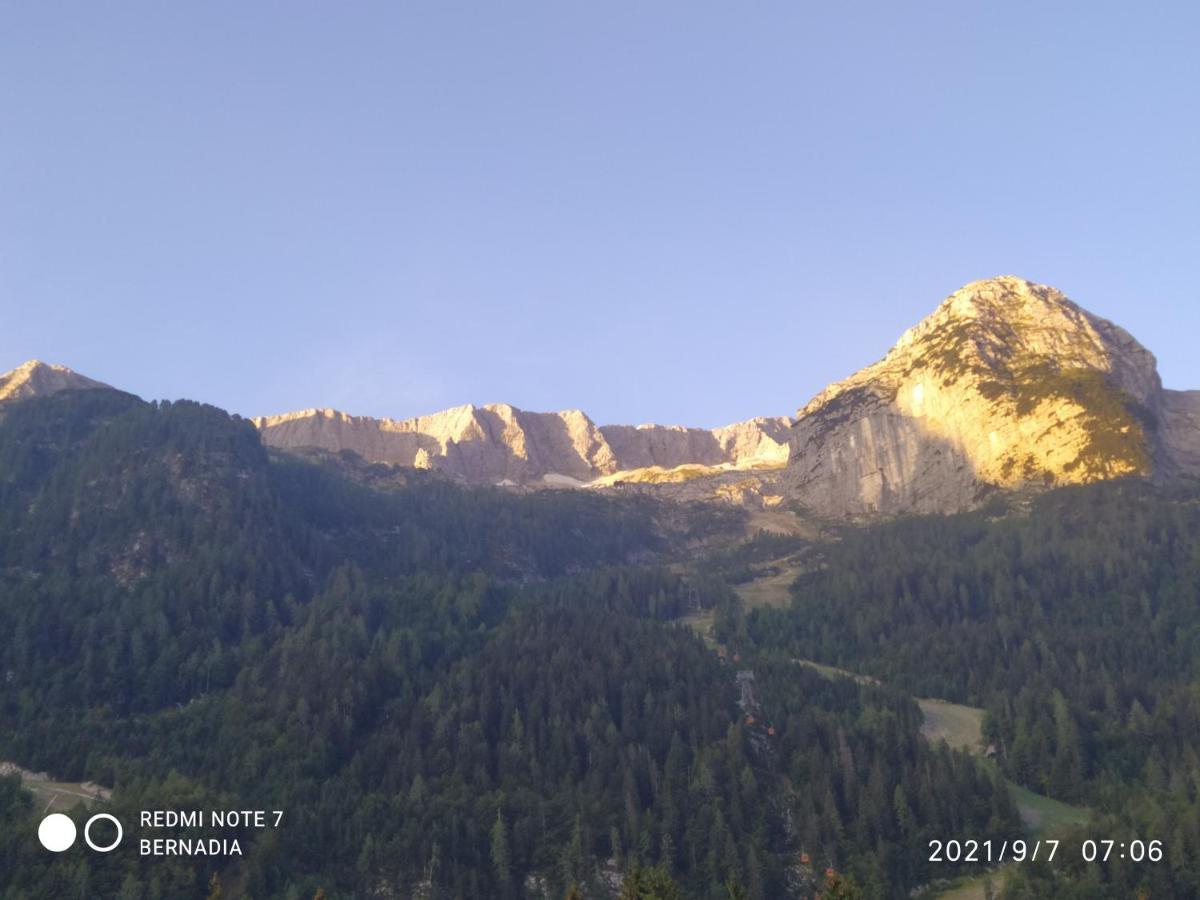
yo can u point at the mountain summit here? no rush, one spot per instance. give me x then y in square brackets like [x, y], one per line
[1006, 384]
[36, 379]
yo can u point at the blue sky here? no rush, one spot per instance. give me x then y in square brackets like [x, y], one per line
[678, 212]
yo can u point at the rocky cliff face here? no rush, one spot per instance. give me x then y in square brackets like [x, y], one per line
[1006, 384]
[1179, 417]
[35, 379]
[500, 443]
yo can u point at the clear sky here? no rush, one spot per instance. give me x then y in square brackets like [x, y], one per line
[684, 212]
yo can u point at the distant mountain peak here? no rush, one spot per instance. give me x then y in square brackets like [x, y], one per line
[1006, 383]
[36, 378]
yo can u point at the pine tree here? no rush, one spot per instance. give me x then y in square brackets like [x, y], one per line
[904, 814]
[642, 883]
[501, 861]
[841, 887]
[574, 857]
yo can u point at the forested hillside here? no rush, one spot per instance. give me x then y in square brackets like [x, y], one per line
[1074, 623]
[450, 692]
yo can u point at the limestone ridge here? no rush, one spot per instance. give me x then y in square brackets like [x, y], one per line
[499, 443]
[36, 379]
[1006, 384]
[1180, 432]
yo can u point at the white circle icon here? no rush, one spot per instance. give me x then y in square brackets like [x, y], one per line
[87, 832]
[57, 832]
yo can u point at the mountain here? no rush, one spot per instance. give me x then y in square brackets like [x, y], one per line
[37, 379]
[502, 444]
[1007, 384]
[461, 691]
[492, 680]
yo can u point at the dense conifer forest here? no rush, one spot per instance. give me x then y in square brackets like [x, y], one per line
[463, 692]
[1073, 620]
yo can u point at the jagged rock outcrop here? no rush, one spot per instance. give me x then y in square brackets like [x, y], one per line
[761, 439]
[1006, 384]
[36, 379]
[500, 443]
[479, 444]
[1179, 417]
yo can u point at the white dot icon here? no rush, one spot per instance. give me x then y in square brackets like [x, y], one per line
[57, 832]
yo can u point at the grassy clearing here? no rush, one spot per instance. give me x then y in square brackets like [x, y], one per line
[780, 521]
[959, 726]
[55, 795]
[1041, 815]
[701, 623]
[973, 887]
[60, 796]
[770, 590]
